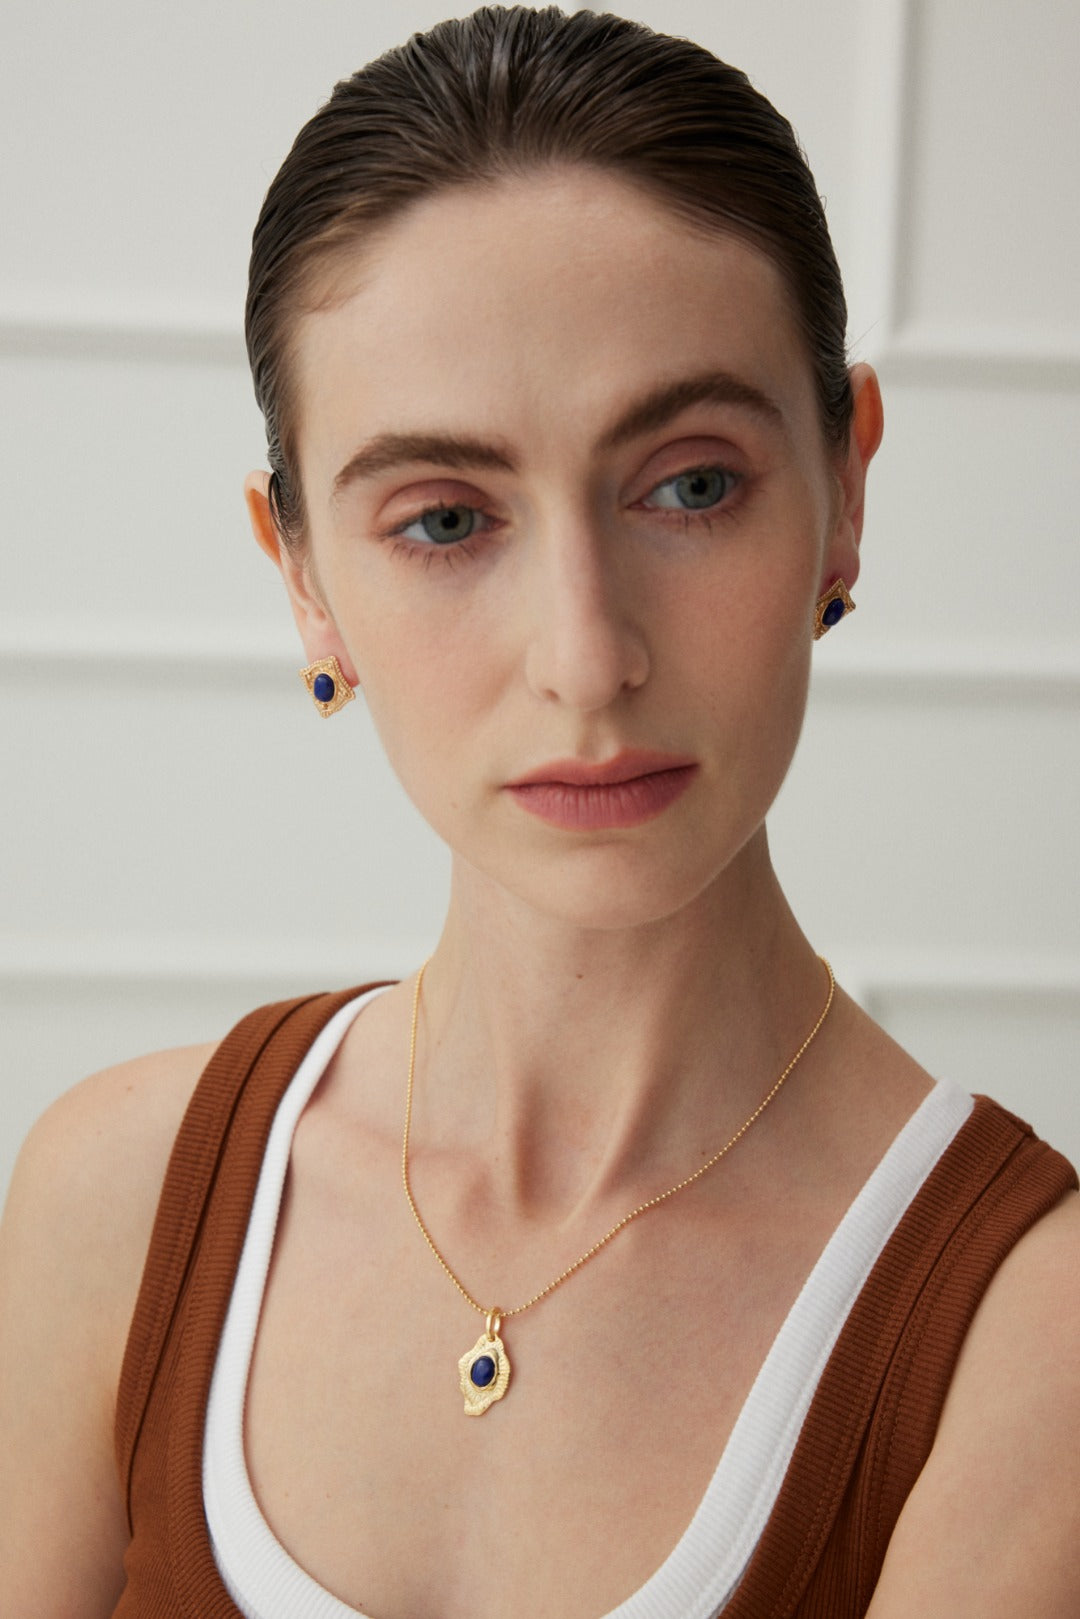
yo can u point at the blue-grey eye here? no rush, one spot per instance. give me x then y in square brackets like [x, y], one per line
[444, 524]
[695, 490]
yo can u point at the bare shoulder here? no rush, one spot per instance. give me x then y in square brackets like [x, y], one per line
[89, 1174]
[992, 1526]
[138, 1103]
[73, 1239]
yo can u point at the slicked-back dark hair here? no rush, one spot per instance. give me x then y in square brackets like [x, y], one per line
[507, 91]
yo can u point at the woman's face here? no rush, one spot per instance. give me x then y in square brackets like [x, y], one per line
[621, 551]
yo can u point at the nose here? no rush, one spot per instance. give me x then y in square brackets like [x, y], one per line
[586, 641]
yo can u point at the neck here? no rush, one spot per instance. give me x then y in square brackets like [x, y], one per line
[585, 1066]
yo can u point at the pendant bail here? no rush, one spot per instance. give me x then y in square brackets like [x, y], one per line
[494, 1322]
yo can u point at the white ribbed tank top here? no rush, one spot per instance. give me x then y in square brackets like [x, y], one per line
[700, 1574]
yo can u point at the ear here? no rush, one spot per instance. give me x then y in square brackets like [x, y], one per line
[313, 618]
[867, 425]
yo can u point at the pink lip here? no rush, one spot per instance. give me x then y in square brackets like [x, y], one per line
[624, 791]
[623, 767]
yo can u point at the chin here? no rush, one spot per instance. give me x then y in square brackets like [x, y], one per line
[607, 887]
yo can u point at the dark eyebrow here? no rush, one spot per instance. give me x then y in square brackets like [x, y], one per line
[654, 409]
[400, 449]
[661, 405]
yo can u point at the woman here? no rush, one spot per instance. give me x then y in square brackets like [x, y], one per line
[567, 473]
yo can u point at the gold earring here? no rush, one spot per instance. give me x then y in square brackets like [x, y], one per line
[328, 687]
[831, 608]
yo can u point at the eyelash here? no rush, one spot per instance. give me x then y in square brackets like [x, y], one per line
[430, 551]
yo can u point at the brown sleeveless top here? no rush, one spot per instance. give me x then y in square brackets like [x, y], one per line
[865, 1438]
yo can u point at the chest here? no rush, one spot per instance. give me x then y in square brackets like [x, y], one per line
[569, 1493]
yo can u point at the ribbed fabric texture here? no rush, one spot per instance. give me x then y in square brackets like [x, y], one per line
[863, 1442]
[704, 1567]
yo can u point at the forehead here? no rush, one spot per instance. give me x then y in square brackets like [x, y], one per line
[535, 306]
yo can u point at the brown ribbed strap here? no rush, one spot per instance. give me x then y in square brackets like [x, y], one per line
[872, 1421]
[866, 1435]
[905, 1423]
[268, 1043]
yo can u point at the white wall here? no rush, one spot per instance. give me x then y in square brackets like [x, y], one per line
[182, 838]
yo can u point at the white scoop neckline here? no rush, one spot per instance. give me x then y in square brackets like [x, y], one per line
[699, 1575]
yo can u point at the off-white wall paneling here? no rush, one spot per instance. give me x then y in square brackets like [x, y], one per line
[971, 544]
[134, 516]
[1013, 1031]
[145, 136]
[991, 253]
[182, 839]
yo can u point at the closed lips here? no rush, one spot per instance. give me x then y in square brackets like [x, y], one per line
[624, 767]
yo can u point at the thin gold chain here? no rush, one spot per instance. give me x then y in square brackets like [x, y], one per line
[642, 1208]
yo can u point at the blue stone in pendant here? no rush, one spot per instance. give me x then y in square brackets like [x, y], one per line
[323, 688]
[482, 1371]
[833, 613]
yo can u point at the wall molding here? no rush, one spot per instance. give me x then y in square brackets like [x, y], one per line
[955, 355]
[882, 95]
[903, 346]
[150, 335]
[872, 977]
[170, 963]
[944, 673]
[80, 655]
[916, 352]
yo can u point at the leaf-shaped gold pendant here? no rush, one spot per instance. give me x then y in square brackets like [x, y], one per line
[484, 1373]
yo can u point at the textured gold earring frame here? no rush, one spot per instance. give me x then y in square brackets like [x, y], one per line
[835, 593]
[343, 692]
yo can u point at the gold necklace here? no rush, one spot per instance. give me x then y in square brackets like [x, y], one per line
[484, 1371]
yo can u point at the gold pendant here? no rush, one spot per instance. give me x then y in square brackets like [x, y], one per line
[484, 1373]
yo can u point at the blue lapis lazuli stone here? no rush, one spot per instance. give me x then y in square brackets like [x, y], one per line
[324, 688]
[482, 1371]
[833, 613]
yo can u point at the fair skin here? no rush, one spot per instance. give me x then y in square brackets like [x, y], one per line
[603, 1009]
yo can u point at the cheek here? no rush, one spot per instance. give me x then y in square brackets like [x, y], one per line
[751, 624]
[425, 692]
[746, 649]
[757, 698]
